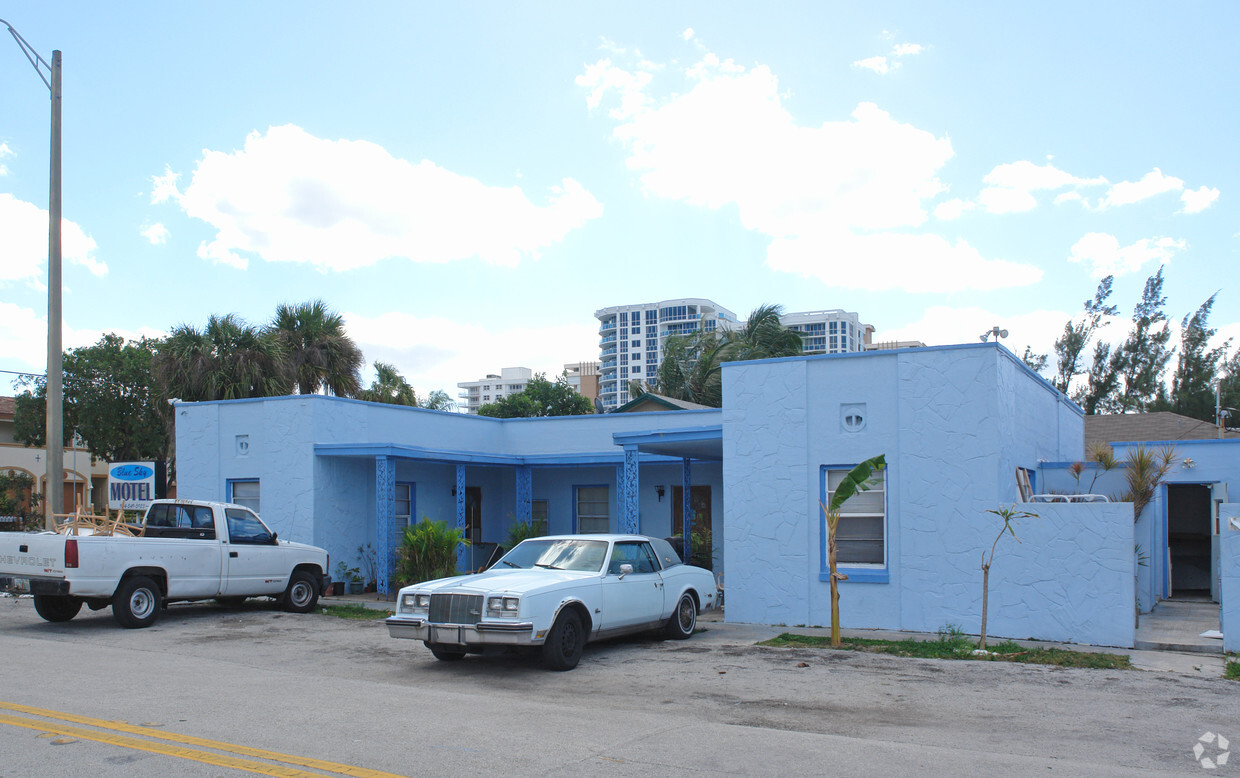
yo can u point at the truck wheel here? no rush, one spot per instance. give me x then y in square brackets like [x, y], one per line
[137, 602]
[684, 619]
[53, 607]
[565, 642]
[302, 594]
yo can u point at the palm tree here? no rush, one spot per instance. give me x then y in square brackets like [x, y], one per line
[389, 387]
[320, 354]
[762, 337]
[857, 480]
[226, 360]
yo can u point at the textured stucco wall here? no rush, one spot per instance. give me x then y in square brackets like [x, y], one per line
[767, 541]
[1229, 559]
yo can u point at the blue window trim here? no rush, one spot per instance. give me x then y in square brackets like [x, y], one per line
[228, 487]
[855, 574]
[576, 529]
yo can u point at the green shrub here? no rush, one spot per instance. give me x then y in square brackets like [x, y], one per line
[427, 551]
[522, 530]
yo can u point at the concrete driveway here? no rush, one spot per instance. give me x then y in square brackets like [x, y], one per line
[317, 695]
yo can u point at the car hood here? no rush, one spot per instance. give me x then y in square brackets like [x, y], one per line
[508, 581]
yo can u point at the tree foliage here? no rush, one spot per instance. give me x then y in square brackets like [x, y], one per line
[540, 398]
[389, 387]
[1142, 358]
[110, 399]
[856, 480]
[1197, 369]
[228, 359]
[691, 365]
[316, 349]
[1070, 347]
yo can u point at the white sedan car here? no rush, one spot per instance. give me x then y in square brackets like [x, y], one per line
[557, 593]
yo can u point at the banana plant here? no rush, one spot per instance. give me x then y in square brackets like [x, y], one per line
[857, 480]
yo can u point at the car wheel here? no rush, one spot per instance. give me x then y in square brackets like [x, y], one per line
[444, 654]
[54, 607]
[301, 595]
[684, 619]
[137, 602]
[565, 642]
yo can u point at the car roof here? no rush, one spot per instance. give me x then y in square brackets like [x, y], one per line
[593, 536]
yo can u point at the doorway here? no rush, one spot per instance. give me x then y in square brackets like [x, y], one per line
[473, 514]
[1189, 532]
[699, 521]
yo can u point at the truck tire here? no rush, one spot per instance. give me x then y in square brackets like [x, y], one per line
[137, 602]
[302, 593]
[55, 607]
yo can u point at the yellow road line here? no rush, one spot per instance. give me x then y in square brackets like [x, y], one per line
[186, 753]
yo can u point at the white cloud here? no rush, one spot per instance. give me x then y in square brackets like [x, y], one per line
[288, 196]
[437, 353]
[23, 337]
[892, 260]
[23, 226]
[952, 209]
[157, 234]
[822, 194]
[1151, 184]
[907, 49]
[1011, 185]
[877, 64]
[1197, 200]
[603, 77]
[942, 325]
[164, 187]
[5, 151]
[1103, 253]
[687, 34]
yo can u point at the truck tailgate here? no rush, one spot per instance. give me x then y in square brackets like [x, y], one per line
[32, 555]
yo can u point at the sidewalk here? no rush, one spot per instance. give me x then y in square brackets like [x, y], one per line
[723, 633]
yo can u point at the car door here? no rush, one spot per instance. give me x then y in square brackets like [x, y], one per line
[631, 600]
[254, 564]
[190, 535]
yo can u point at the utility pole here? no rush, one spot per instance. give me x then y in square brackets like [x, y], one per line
[55, 477]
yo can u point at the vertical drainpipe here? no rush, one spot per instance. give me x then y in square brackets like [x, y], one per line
[461, 550]
[385, 522]
[629, 520]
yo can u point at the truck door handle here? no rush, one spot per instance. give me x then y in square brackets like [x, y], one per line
[23, 549]
[232, 554]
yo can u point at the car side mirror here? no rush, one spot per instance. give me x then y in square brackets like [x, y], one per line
[275, 538]
[625, 569]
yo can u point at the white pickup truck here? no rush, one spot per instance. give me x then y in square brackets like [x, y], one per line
[187, 550]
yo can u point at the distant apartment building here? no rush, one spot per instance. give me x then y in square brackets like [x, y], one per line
[631, 339]
[829, 332]
[584, 377]
[475, 394]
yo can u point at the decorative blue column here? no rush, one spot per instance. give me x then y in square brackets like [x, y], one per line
[629, 519]
[461, 550]
[385, 522]
[685, 511]
[525, 494]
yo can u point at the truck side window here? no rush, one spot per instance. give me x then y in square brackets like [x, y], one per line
[158, 516]
[202, 518]
[244, 527]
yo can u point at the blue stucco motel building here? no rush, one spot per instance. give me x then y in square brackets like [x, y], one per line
[964, 429]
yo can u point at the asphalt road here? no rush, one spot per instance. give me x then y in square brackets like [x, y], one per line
[211, 691]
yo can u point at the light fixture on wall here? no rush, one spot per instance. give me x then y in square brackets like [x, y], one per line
[658, 490]
[993, 331]
[1188, 464]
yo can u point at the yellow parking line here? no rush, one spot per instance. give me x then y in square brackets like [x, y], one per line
[172, 750]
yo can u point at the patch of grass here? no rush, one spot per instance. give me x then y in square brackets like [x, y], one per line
[355, 612]
[952, 644]
[1231, 667]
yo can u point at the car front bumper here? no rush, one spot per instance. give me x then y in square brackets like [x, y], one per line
[484, 633]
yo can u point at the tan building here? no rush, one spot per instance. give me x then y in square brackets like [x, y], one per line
[86, 478]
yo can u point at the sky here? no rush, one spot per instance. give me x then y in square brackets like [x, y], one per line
[467, 183]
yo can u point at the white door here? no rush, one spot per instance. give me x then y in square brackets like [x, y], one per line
[253, 563]
[636, 598]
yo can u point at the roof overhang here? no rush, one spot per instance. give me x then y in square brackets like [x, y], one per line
[687, 443]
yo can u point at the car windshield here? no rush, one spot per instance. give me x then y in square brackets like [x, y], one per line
[581, 555]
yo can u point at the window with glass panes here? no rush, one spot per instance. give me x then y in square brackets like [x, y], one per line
[593, 506]
[244, 492]
[860, 537]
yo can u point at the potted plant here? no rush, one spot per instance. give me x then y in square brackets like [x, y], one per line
[338, 583]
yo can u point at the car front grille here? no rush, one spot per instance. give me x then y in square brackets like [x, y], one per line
[456, 608]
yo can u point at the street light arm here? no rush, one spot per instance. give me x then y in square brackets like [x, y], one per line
[31, 55]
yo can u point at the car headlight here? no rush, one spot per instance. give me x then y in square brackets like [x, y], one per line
[416, 602]
[503, 606]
